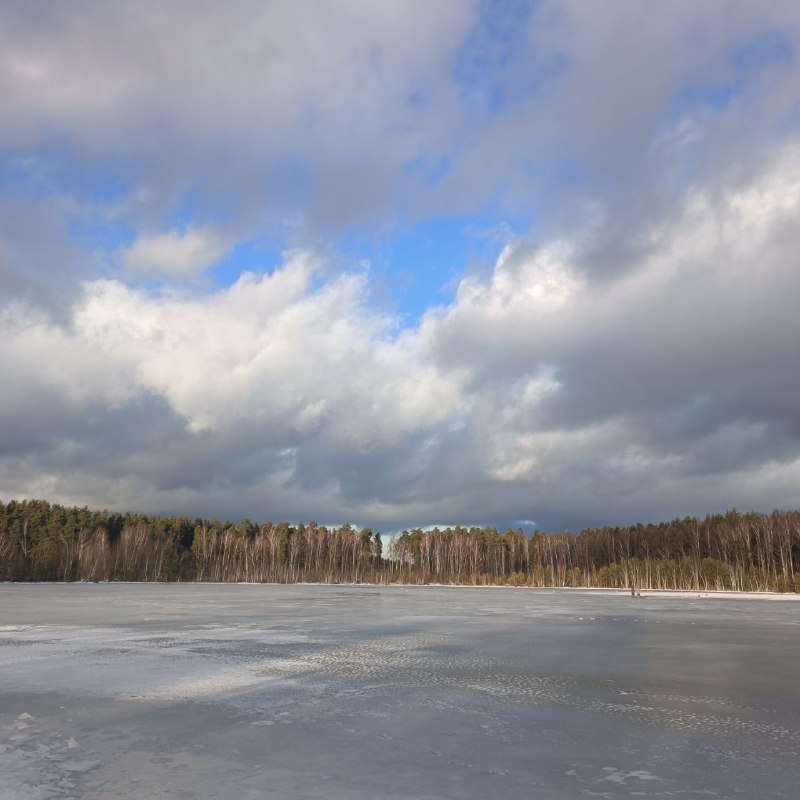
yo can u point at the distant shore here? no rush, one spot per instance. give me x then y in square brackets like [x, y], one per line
[722, 594]
[750, 552]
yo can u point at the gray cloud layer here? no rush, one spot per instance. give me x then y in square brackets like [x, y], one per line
[635, 357]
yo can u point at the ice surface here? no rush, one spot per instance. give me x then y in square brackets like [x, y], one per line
[148, 691]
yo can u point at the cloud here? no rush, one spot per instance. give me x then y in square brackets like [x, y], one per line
[629, 355]
[39, 263]
[257, 106]
[538, 392]
[365, 113]
[180, 254]
[243, 386]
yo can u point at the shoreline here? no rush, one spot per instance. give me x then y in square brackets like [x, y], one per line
[707, 594]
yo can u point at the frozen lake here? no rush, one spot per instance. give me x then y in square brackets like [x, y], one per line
[250, 691]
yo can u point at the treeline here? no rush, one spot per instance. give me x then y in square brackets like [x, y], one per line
[44, 542]
[741, 552]
[746, 552]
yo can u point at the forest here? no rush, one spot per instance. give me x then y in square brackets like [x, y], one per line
[40, 541]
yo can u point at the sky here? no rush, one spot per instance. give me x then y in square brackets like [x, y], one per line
[528, 264]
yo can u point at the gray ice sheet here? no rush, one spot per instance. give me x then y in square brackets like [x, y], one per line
[199, 691]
